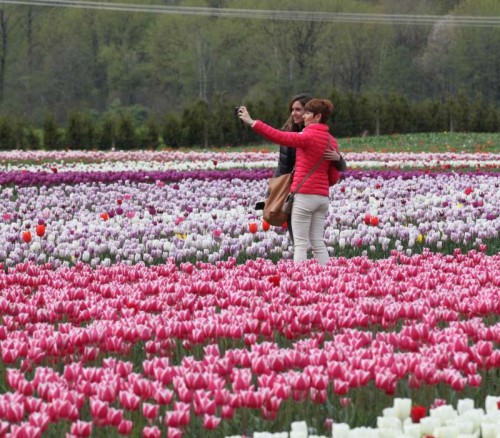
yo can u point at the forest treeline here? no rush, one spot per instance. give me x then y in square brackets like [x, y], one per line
[109, 66]
[203, 125]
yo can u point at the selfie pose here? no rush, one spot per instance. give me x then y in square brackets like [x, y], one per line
[286, 157]
[312, 199]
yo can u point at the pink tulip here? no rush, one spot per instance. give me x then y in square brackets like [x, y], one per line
[340, 387]
[142, 387]
[114, 418]
[4, 428]
[484, 348]
[99, 409]
[177, 418]
[14, 412]
[81, 428]
[25, 430]
[173, 432]
[129, 400]
[211, 422]
[40, 420]
[9, 356]
[318, 396]
[125, 427]
[32, 404]
[150, 411]
[151, 432]
[62, 409]
[163, 396]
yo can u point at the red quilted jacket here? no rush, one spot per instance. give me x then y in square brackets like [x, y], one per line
[311, 144]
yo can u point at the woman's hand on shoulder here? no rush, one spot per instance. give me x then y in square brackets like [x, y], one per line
[332, 155]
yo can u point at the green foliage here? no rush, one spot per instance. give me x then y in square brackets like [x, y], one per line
[172, 131]
[80, 131]
[8, 139]
[32, 139]
[149, 134]
[126, 138]
[52, 138]
[215, 125]
[223, 126]
[195, 124]
[106, 132]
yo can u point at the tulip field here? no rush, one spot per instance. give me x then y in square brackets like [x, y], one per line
[142, 295]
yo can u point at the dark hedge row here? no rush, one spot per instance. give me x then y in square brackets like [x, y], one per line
[202, 125]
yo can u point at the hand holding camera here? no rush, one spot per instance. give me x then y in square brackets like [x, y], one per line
[243, 115]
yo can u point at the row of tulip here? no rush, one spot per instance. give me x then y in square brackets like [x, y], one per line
[108, 329]
[213, 219]
[221, 338]
[91, 161]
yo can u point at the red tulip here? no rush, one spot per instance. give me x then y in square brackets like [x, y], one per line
[252, 227]
[26, 236]
[104, 216]
[374, 221]
[468, 190]
[40, 230]
[274, 280]
[417, 413]
[367, 219]
[265, 226]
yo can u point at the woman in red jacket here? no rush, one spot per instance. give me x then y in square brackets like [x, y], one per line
[311, 202]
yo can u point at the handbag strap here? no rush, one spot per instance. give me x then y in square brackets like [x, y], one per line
[312, 170]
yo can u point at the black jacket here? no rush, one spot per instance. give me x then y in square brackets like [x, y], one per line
[286, 161]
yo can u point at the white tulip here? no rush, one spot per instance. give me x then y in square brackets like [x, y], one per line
[491, 403]
[413, 430]
[402, 407]
[389, 423]
[428, 424]
[446, 432]
[340, 430]
[489, 430]
[473, 415]
[443, 413]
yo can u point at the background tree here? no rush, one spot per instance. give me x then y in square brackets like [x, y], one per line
[52, 138]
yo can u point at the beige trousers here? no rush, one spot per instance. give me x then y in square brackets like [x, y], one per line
[308, 224]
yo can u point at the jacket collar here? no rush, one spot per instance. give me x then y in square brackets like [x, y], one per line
[318, 127]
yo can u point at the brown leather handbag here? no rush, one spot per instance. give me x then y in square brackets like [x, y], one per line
[279, 189]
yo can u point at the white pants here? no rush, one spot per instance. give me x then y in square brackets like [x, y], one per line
[308, 224]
